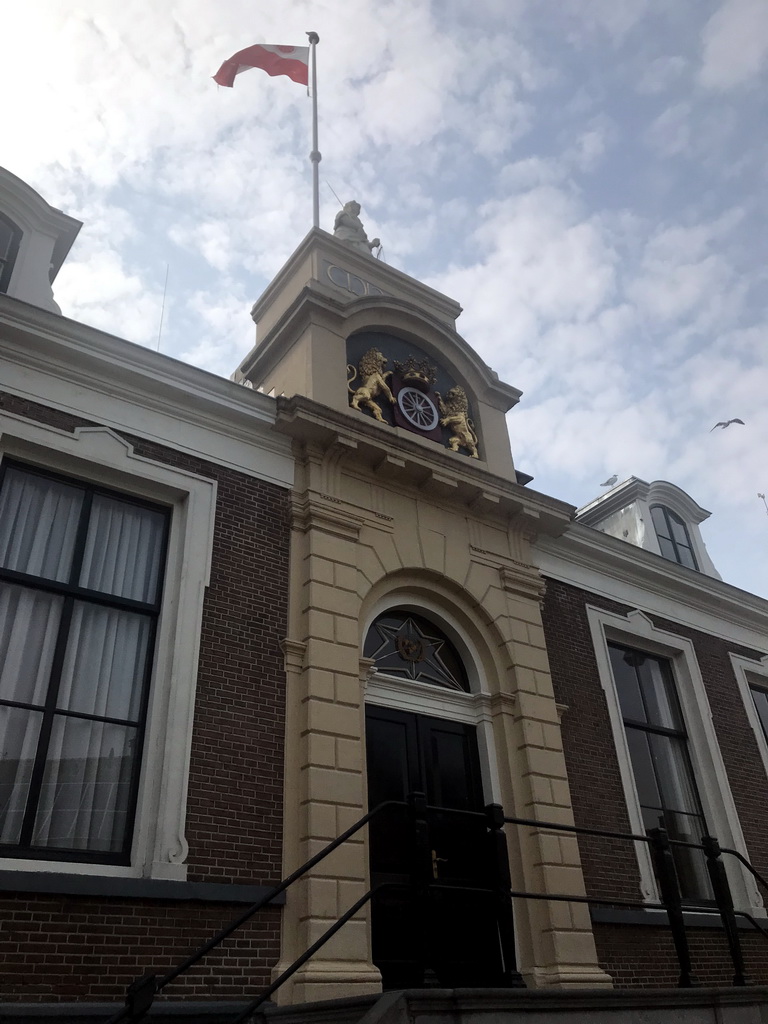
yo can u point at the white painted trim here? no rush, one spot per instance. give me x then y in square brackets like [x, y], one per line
[98, 455]
[637, 630]
[89, 374]
[595, 562]
[743, 669]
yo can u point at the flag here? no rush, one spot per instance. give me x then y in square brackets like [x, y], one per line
[292, 61]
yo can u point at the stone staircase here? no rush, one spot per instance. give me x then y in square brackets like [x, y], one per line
[450, 1006]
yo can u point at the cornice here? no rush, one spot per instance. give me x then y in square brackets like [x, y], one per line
[605, 565]
[408, 461]
[47, 343]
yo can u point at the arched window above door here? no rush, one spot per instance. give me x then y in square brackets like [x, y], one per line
[408, 646]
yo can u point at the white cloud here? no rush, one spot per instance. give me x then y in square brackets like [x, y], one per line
[734, 44]
[479, 139]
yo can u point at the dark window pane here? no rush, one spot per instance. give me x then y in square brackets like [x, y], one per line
[645, 776]
[627, 684]
[10, 238]
[660, 522]
[761, 703]
[691, 865]
[659, 692]
[6, 239]
[673, 537]
[674, 774]
[19, 731]
[668, 549]
[661, 763]
[686, 557]
[679, 532]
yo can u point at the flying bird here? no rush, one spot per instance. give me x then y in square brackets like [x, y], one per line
[727, 423]
[610, 481]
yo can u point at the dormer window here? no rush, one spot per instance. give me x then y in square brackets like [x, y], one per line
[10, 237]
[672, 535]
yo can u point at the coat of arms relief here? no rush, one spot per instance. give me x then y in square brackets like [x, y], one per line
[413, 402]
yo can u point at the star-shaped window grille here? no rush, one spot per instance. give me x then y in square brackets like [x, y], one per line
[407, 645]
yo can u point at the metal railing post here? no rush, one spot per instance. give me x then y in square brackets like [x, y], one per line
[724, 900]
[499, 863]
[666, 875]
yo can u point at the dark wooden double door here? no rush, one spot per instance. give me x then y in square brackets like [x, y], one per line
[435, 918]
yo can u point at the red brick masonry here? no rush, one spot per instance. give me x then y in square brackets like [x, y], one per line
[74, 947]
[641, 955]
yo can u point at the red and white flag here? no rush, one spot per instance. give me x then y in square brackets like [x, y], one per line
[292, 61]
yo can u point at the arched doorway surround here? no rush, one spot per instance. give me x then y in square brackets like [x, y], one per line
[429, 730]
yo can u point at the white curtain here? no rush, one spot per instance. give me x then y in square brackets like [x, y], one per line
[29, 625]
[122, 552]
[86, 787]
[38, 525]
[84, 797]
[104, 662]
[19, 731]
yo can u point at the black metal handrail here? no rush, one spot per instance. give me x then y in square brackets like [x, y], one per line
[666, 875]
[141, 993]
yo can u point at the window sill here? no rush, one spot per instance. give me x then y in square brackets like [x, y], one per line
[131, 888]
[658, 918]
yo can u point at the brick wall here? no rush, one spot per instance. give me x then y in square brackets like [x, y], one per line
[641, 955]
[60, 948]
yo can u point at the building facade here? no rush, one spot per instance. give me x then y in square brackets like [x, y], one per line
[238, 615]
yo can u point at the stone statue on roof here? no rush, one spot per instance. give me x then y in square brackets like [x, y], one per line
[349, 228]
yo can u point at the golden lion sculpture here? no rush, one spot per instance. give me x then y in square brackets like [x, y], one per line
[454, 412]
[371, 369]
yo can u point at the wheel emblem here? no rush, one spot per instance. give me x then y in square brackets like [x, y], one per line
[418, 409]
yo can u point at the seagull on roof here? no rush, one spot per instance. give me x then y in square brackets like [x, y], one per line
[727, 423]
[610, 481]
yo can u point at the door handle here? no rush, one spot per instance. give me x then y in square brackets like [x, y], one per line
[435, 861]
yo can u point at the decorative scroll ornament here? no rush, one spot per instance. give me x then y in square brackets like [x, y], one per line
[454, 413]
[374, 382]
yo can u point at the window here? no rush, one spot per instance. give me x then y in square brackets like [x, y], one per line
[658, 749]
[81, 572]
[407, 646]
[672, 535]
[760, 697]
[10, 237]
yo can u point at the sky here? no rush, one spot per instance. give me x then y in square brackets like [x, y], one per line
[586, 177]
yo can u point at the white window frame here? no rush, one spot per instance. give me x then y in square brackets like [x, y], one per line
[748, 671]
[637, 631]
[100, 456]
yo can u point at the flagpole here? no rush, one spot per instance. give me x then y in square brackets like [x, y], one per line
[315, 156]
